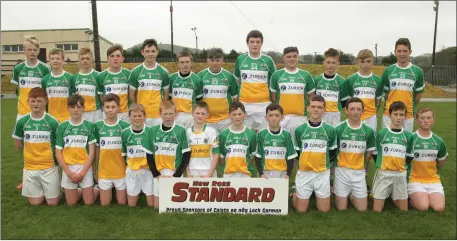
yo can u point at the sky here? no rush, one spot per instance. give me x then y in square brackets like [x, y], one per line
[310, 26]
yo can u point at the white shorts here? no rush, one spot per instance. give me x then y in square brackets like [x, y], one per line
[107, 184]
[88, 180]
[428, 188]
[121, 116]
[39, 183]
[408, 124]
[184, 119]
[200, 173]
[236, 175]
[165, 172]
[93, 116]
[149, 122]
[221, 125]
[332, 118]
[389, 183]
[291, 122]
[349, 181]
[255, 119]
[139, 181]
[275, 174]
[308, 181]
[372, 122]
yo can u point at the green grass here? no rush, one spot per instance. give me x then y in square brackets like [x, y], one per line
[22, 221]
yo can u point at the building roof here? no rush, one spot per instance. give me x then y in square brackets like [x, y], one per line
[57, 29]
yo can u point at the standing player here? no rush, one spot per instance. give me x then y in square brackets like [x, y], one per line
[316, 143]
[292, 87]
[149, 83]
[237, 145]
[394, 146]
[356, 142]
[138, 177]
[203, 143]
[219, 90]
[28, 74]
[186, 89]
[58, 84]
[403, 82]
[85, 85]
[114, 80]
[429, 154]
[35, 135]
[111, 165]
[275, 153]
[75, 151]
[332, 87]
[167, 149]
[253, 72]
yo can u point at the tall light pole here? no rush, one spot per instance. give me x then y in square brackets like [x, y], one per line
[435, 8]
[171, 19]
[376, 51]
[98, 65]
[196, 38]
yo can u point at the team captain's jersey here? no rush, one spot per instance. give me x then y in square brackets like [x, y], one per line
[203, 145]
[116, 83]
[314, 144]
[353, 144]
[369, 89]
[26, 78]
[111, 164]
[237, 148]
[393, 148]
[427, 152]
[74, 140]
[185, 91]
[275, 149]
[86, 86]
[132, 148]
[218, 91]
[167, 146]
[292, 89]
[402, 84]
[38, 137]
[59, 88]
[333, 90]
[254, 75]
[150, 84]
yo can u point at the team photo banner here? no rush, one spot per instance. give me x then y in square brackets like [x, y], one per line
[224, 195]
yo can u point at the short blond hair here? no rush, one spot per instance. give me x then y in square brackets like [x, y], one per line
[57, 51]
[424, 110]
[364, 54]
[134, 107]
[84, 50]
[31, 39]
[167, 104]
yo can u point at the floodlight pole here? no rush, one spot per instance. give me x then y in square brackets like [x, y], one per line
[98, 65]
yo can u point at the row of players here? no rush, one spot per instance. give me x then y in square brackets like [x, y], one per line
[133, 158]
[255, 82]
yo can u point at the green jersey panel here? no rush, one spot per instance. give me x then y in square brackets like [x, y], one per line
[86, 86]
[185, 91]
[74, 141]
[275, 149]
[333, 90]
[369, 89]
[116, 83]
[236, 148]
[393, 148]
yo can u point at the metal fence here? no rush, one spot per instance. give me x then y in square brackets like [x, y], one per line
[440, 75]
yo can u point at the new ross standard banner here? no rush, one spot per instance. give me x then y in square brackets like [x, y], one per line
[224, 195]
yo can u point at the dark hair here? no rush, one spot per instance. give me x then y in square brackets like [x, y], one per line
[331, 52]
[74, 100]
[235, 106]
[290, 50]
[316, 98]
[148, 43]
[215, 53]
[201, 104]
[397, 105]
[354, 100]
[273, 107]
[403, 41]
[114, 48]
[111, 97]
[184, 53]
[254, 34]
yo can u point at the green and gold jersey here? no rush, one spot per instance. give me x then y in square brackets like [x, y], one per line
[86, 86]
[393, 148]
[236, 148]
[333, 90]
[59, 88]
[132, 148]
[185, 91]
[116, 83]
[275, 149]
[369, 89]
[74, 141]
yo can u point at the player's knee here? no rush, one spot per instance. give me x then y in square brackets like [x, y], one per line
[324, 209]
[421, 206]
[36, 202]
[71, 202]
[53, 202]
[438, 207]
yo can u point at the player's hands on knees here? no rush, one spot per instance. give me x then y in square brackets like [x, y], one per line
[286, 177]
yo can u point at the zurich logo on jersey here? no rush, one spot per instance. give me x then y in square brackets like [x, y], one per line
[205, 91]
[102, 143]
[394, 84]
[27, 136]
[67, 140]
[141, 84]
[305, 145]
[244, 76]
[175, 92]
[108, 89]
[22, 82]
[386, 149]
[344, 145]
[229, 150]
[156, 148]
[416, 155]
[267, 152]
[131, 150]
[283, 87]
[357, 92]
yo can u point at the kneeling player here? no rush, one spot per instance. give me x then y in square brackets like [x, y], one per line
[275, 149]
[111, 164]
[137, 176]
[393, 145]
[203, 143]
[167, 149]
[237, 144]
[34, 135]
[75, 151]
[429, 153]
[316, 143]
[356, 142]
